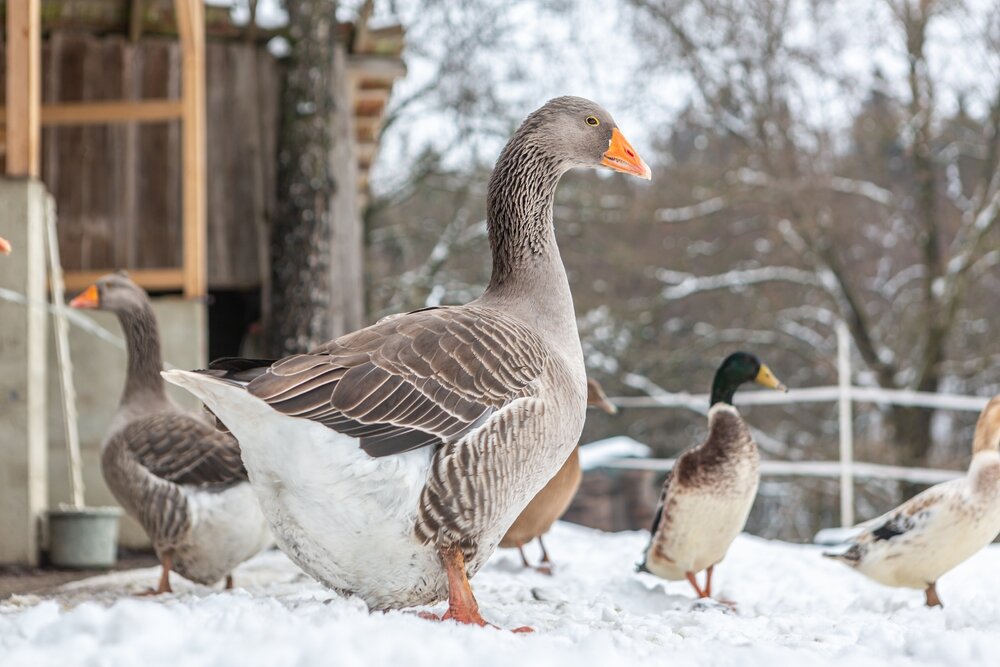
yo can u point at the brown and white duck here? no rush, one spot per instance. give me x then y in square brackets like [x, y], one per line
[707, 497]
[915, 544]
[553, 500]
[391, 461]
[172, 471]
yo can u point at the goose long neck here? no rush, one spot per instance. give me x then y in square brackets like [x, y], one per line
[145, 359]
[519, 212]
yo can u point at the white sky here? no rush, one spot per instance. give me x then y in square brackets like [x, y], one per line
[600, 59]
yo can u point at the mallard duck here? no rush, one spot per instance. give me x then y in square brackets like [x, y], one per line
[4, 246]
[552, 501]
[182, 480]
[707, 496]
[391, 461]
[915, 544]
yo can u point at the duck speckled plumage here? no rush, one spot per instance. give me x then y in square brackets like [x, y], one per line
[391, 461]
[182, 480]
[707, 496]
[915, 544]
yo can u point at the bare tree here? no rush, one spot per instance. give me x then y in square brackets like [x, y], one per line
[938, 210]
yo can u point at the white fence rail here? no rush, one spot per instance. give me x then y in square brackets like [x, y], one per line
[845, 394]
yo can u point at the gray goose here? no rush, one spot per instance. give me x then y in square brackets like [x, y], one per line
[553, 500]
[708, 494]
[391, 461]
[182, 480]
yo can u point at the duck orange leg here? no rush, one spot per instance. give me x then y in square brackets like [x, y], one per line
[932, 597]
[694, 584]
[545, 567]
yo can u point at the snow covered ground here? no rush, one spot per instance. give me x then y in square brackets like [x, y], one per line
[794, 608]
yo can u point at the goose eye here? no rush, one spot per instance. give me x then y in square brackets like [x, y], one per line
[592, 120]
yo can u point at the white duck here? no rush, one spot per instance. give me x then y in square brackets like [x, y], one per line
[391, 461]
[915, 544]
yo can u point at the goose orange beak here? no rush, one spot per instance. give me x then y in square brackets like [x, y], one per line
[4, 246]
[90, 299]
[620, 156]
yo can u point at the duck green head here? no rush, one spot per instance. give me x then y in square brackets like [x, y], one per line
[737, 369]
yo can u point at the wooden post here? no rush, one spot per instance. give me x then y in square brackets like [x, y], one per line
[24, 91]
[846, 427]
[191, 27]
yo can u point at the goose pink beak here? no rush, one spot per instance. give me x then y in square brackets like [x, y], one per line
[620, 156]
[4, 246]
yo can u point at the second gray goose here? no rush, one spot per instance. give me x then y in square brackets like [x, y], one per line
[171, 470]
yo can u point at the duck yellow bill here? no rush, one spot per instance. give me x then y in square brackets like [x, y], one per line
[620, 156]
[766, 378]
[4, 246]
[89, 299]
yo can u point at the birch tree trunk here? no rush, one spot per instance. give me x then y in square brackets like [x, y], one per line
[315, 291]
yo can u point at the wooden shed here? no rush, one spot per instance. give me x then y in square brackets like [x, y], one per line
[154, 126]
[112, 152]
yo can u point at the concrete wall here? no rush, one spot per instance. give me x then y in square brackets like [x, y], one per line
[99, 375]
[22, 371]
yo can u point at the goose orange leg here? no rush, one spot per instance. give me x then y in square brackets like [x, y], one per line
[524, 559]
[164, 587]
[462, 605]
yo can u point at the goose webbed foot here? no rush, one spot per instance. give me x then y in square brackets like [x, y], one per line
[164, 585]
[462, 605]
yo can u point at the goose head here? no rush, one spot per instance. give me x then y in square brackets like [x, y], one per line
[114, 292]
[578, 133]
[738, 369]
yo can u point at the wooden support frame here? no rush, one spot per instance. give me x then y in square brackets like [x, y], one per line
[191, 27]
[107, 113]
[22, 118]
[24, 88]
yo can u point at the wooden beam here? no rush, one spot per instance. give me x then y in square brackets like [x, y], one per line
[191, 26]
[24, 92]
[106, 113]
[382, 68]
[157, 280]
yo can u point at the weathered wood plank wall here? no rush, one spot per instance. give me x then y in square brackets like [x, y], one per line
[118, 187]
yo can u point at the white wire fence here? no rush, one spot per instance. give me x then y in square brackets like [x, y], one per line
[845, 395]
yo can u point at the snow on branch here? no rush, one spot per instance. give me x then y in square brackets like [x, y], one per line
[692, 212]
[685, 284]
[865, 189]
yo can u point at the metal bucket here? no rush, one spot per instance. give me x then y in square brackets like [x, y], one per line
[85, 537]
